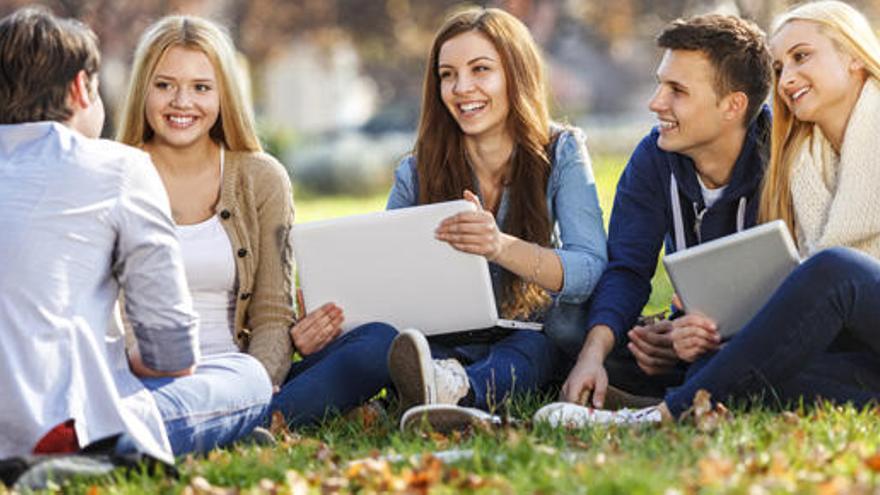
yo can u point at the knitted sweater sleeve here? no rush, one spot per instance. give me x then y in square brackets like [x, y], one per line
[270, 314]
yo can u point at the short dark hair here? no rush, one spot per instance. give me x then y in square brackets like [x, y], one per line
[40, 55]
[736, 48]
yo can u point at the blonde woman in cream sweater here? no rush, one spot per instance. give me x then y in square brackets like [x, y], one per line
[817, 336]
[233, 207]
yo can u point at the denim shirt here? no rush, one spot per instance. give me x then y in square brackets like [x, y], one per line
[572, 201]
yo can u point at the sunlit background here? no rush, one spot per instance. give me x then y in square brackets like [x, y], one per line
[336, 83]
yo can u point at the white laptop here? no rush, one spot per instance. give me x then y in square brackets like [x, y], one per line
[387, 266]
[731, 278]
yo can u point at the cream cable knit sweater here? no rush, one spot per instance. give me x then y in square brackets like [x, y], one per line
[835, 197]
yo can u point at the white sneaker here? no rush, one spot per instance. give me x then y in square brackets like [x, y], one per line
[412, 369]
[420, 379]
[450, 381]
[568, 415]
[444, 418]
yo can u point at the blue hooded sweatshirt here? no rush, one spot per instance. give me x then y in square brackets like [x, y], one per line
[659, 201]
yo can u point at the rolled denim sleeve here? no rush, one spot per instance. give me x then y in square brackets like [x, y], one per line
[582, 246]
[149, 268]
[405, 190]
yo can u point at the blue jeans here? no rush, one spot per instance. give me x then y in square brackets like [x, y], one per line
[226, 397]
[343, 375]
[522, 361]
[817, 336]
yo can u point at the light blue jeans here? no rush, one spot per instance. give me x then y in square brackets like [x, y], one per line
[226, 397]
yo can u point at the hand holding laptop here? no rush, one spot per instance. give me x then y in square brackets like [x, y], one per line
[694, 335]
[474, 232]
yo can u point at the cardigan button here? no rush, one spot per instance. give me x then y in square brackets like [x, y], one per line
[224, 214]
[245, 296]
[242, 253]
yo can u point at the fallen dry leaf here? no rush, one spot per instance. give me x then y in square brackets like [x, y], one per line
[368, 415]
[790, 418]
[333, 485]
[714, 469]
[834, 486]
[706, 416]
[326, 454]
[278, 426]
[296, 484]
[873, 462]
[428, 473]
[200, 486]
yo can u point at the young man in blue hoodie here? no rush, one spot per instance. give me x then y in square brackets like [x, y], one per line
[694, 178]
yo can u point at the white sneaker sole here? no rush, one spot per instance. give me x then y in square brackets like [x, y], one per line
[444, 418]
[412, 370]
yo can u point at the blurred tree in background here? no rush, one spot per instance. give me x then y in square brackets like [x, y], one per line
[337, 83]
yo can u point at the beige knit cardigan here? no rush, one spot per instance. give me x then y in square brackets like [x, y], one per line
[256, 210]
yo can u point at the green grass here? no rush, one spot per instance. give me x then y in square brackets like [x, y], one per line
[823, 450]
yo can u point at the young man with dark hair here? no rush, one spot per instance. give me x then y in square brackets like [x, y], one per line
[82, 219]
[694, 178]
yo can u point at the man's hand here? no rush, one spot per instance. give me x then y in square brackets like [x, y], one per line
[651, 345]
[588, 380]
[694, 335]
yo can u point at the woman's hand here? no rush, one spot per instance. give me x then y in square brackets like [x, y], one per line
[316, 329]
[473, 231]
[694, 335]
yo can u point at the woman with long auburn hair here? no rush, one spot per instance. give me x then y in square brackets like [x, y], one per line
[816, 338]
[233, 209]
[485, 134]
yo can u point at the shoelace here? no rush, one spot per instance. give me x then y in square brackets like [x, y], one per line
[451, 380]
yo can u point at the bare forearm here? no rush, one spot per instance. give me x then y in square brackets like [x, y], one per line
[600, 341]
[531, 262]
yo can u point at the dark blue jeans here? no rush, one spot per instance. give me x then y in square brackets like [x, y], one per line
[817, 336]
[566, 325]
[343, 375]
[520, 361]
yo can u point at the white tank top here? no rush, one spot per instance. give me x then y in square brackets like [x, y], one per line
[210, 275]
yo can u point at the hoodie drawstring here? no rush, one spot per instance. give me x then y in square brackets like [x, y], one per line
[678, 220]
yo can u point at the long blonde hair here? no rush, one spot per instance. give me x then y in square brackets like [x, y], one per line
[441, 161]
[850, 31]
[235, 126]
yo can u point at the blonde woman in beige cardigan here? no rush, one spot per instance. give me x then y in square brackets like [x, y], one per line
[817, 336]
[233, 207]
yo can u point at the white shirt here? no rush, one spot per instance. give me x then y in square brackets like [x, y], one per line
[210, 275]
[82, 218]
[710, 196]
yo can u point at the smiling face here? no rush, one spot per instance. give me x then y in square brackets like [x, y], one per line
[473, 85]
[817, 81]
[183, 100]
[692, 117]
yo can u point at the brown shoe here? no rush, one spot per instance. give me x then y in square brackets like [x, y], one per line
[616, 398]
